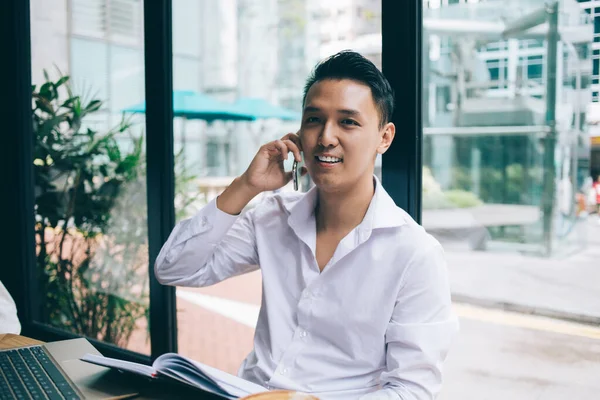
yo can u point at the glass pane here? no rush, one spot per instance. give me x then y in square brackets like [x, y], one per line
[509, 194]
[246, 50]
[89, 163]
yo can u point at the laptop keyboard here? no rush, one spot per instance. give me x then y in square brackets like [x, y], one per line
[28, 373]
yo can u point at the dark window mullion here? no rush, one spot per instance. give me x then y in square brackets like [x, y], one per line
[18, 248]
[402, 65]
[160, 165]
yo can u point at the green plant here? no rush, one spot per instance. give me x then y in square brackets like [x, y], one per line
[90, 229]
[517, 185]
[435, 201]
[463, 199]
[435, 198]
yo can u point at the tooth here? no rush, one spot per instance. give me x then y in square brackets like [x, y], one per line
[329, 159]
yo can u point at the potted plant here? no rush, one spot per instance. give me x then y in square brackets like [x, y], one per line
[90, 213]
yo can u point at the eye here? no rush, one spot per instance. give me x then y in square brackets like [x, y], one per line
[349, 121]
[311, 120]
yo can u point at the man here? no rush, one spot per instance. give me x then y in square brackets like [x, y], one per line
[356, 300]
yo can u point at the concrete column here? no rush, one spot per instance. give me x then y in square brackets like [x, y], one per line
[513, 65]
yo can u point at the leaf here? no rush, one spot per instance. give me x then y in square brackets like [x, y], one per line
[45, 106]
[48, 91]
[61, 81]
[94, 105]
[46, 75]
[128, 164]
[110, 188]
[69, 102]
[114, 154]
[103, 170]
[46, 128]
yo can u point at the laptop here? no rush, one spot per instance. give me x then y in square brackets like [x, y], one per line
[54, 371]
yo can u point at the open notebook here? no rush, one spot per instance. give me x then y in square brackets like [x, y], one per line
[172, 366]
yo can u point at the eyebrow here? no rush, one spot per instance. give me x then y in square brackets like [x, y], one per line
[342, 111]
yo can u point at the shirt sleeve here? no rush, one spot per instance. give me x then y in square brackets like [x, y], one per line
[9, 321]
[420, 331]
[208, 248]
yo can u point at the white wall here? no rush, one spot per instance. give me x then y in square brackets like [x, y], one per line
[49, 44]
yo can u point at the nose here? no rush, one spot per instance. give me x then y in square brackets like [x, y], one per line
[328, 137]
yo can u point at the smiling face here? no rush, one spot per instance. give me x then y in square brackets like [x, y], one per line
[341, 134]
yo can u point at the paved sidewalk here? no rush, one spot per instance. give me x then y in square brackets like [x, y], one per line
[567, 288]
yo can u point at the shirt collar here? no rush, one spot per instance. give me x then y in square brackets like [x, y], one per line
[382, 212]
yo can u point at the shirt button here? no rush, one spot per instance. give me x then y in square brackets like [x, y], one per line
[303, 334]
[204, 221]
[307, 294]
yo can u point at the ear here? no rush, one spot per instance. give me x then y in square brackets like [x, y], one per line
[387, 136]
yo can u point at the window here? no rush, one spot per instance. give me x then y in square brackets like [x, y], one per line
[507, 204]
[90, 203]
[89, 18]
[125, 21]
[119, 21]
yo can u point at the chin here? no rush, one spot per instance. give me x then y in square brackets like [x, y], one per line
[330, 184]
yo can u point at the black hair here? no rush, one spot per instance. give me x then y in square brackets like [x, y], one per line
[351, 65]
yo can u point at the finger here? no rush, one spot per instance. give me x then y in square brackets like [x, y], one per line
[294, 138]
[293, 148]
[271, 148]
[283, 149]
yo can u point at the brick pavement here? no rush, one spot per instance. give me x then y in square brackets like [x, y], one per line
[207, 336]
[212, 338]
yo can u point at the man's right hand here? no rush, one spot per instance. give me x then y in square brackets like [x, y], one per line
[266, 170]
[265, 173]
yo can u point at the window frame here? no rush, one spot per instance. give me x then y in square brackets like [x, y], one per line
[402, 23]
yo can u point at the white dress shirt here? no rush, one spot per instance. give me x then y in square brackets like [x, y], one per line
[9, 322]
[375, 324]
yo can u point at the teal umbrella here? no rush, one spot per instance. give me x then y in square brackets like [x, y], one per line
[262, 109]
[195, 105]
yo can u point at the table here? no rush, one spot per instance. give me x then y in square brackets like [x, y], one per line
[11, 341]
